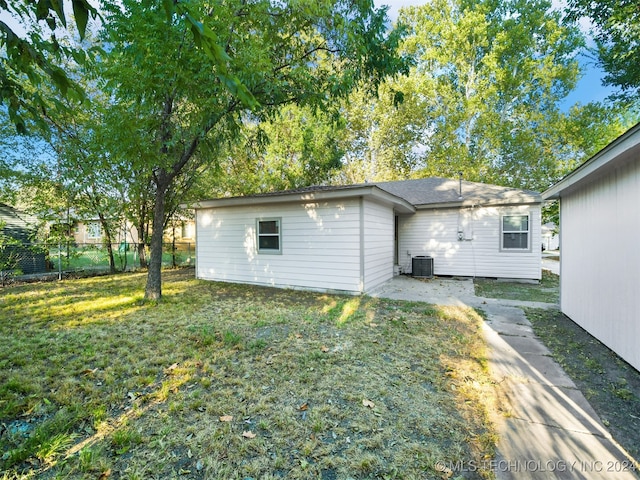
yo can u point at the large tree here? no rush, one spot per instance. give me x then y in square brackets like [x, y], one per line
[172, 98]
[485, 98]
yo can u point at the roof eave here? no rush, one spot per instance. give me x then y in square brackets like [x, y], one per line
[399, 204]
[617, 149]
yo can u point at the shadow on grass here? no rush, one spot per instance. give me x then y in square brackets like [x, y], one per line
[231, 381]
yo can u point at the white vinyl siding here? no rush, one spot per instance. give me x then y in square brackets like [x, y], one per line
[378, 244]
[600, 253]
[466, 242]
[320, 250]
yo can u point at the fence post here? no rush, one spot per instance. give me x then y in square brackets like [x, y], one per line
[59, 260]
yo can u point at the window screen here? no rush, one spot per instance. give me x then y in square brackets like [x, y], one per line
[269, 236]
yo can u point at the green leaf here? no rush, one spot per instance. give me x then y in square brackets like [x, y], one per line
[58, 7]
[169, 8]
[81, 13]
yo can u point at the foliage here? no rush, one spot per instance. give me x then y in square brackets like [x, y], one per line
[31, 62]
[296, 148]
[617, 36]
[483, 98]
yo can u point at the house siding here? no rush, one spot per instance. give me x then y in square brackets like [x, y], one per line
[600, 269]
[320, 246]
[378, 244]
[434, 232]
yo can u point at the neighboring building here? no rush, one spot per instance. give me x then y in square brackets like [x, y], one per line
[353, 238]
[180, 229]
[22, 227]
[550, 237]
[599, 231]
[89, 231]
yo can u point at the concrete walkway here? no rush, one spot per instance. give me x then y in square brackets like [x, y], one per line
[546, 427]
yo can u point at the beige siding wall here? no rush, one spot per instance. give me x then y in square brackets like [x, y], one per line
[378, 243]
[435, 233]
[600, 251]
[320, 246]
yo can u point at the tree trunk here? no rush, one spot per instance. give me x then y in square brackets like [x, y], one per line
[142, 253]
[108, 240]
[153, 290]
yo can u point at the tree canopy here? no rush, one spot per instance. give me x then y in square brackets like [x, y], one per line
[484, 97]
[617, 36]
[33, 59]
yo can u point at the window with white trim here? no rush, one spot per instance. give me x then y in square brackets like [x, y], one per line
[94, 230]
[269, 235]
[515, 232]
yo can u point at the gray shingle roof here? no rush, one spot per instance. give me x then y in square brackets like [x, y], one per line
[424, 192]
[436, 191]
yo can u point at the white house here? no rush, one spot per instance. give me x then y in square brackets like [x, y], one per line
[353, 238]
[600, 254]
[550, 237]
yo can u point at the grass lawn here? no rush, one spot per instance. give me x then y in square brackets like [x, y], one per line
[92, 257]
[231, 381]
[547, 291]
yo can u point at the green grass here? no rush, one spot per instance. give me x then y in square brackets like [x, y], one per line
[547, 291]
[231, 381]
[96, 256]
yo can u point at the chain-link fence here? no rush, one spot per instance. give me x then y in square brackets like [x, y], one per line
[32, 260]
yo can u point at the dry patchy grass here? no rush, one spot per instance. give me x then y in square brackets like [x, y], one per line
[546, 291]
[229, 381]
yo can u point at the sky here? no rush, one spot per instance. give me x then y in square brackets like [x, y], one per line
[589, 88]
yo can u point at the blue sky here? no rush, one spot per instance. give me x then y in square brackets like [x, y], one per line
[589, 89]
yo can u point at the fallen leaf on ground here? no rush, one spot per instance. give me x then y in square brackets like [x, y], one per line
[298, 335]
[373, 325]
[270, 358]
[105, 474]
[226, 418]
[89, 371]
[368, 403]
[324, 349]
[171, 368]
[248, 434]
[303, 407]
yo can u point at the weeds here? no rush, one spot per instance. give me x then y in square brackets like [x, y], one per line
[231, 381]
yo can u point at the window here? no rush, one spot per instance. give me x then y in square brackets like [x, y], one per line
[94, 230]
[269, 236]
[515, 232]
